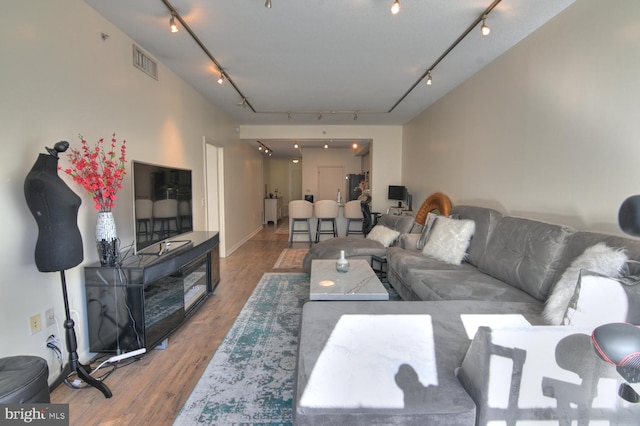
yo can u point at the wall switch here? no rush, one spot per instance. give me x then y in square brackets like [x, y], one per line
[35, 324]
[50, 317]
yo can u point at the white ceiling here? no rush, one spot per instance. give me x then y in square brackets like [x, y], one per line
[338, 57]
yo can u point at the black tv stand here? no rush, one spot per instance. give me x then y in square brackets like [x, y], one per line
[141, 302]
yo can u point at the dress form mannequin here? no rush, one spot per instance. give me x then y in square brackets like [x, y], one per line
[59, 247]
[55, 207]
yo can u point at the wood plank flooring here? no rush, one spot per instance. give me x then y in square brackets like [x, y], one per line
[152, 390]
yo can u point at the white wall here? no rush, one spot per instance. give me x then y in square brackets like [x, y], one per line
[313, 158]
[386, 150]
[550, 130]
[58, 79]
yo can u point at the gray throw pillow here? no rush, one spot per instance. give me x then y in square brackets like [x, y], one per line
[426, 230]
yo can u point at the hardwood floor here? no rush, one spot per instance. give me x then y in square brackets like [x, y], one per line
[152, 390]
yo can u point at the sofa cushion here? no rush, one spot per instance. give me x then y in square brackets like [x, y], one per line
[581, 240]
[547, 374]
[600, 300]
[449, 239]
[403, 224]
[446, 403]
[464, 283]
[486, 220]
[383, 235]
[525, 253]
[402, 260]
[598, 258]
[354, 247]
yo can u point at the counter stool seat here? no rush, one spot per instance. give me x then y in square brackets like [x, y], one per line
[326, 211]
[300, 211]
[353, 213]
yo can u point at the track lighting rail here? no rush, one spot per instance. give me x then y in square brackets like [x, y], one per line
[355, 113]
[175, 13]
[446, 52]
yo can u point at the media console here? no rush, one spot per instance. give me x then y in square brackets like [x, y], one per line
[139, 303]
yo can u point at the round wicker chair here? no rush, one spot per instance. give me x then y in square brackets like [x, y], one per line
[436, 201]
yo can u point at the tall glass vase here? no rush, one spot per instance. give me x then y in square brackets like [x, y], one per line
[107, 239]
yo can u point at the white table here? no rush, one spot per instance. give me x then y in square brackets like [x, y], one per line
[359, 283]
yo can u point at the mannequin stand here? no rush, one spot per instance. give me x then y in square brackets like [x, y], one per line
[83, 371]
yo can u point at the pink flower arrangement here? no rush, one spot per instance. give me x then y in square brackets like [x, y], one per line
[99, 170]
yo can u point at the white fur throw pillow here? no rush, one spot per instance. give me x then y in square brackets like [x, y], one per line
[449, 239]
[599, 258]
[383, 235]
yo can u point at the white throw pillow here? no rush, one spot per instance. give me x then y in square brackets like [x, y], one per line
[599, 258]
[600, 300]
[449, 239]
[383, 235]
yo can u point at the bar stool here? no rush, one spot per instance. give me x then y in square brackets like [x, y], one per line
[165, 211]
[300, 211]
[184, 215]
[144, 213]
[353, 213]
[326, 211]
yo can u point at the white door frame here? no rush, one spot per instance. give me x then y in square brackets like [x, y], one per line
[214, 174]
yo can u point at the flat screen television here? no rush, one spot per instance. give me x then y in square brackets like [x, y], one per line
[398, 193]
[162, 207]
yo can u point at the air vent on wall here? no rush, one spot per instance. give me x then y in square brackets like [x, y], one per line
[144, 63]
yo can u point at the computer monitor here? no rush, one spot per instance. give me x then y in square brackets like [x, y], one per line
[397, 192]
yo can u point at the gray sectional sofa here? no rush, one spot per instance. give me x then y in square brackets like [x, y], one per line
[359, 247]
[509, 259]
[548, 373]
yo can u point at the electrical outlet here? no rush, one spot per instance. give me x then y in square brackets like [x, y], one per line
[50, 317]
[35, 324]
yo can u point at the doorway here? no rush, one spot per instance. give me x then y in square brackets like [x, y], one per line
[214, 190]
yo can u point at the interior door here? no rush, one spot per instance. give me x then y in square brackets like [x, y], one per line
[330, 178]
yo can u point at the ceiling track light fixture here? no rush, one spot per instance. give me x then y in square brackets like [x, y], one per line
[395, 7]
[466, 32]
[484, 29]
[176, 15]
[172, 23]
[262, 147]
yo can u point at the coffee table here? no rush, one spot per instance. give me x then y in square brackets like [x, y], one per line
[359, 283]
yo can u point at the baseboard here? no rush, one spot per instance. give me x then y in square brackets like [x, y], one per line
[244, 240]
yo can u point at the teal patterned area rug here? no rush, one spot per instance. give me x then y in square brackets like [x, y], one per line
[250, 379]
